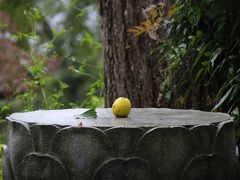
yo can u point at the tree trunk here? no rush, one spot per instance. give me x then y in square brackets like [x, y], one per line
[129, 69]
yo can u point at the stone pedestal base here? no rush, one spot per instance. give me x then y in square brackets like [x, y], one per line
[152, 144]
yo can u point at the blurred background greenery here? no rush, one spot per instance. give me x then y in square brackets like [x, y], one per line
[65, 40]
[50, 56]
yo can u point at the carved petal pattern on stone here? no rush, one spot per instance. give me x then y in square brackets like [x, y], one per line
[19, 144]
[38, 166]
[81, 150]
[119, 153]
[168, 149]
[42, 135]
[125, 169]
[6, 165]
[124, 140]
[225, 143]
[205, 167]
[206, 135]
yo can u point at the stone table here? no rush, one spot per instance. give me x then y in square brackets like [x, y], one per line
[151, 144]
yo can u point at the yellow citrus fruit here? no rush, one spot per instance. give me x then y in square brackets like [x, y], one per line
[121, 107]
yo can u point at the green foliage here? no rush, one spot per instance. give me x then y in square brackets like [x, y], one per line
[209, 39]
[79, 61]
[72, 44]
[202, 55]
[199, 51]
[95, 94]
[35, 96]
[79, 77]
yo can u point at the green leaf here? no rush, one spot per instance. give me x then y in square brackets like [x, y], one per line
[199, 73]
[82, 12]
[223, 99]
[91, 113]
[3, 26]
[200, 54]
[87, 39]
[215, 54]
[194, 16]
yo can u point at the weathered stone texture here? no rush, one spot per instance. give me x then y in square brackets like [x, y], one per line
[151, 144]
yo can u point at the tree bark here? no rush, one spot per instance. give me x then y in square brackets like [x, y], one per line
[129, 68]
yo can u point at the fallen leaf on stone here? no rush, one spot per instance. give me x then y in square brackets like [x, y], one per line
[91, 113]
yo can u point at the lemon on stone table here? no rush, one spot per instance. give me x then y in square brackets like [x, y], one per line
[121, 107]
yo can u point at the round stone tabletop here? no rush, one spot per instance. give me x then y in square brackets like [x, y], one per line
[139, 117]
[151, 144]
